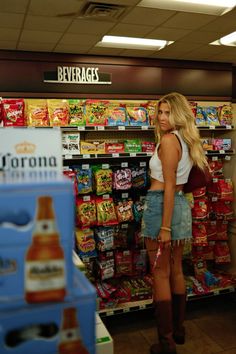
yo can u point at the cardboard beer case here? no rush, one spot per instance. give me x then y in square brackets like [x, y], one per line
[36, 238]
[58, 328]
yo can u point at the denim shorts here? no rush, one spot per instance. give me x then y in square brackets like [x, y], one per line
[181, 225]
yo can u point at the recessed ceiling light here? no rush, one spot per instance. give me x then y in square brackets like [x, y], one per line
[229, 40]
[210, 7]
[132, 43]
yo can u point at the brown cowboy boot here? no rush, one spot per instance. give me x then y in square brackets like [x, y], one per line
[163, 314]
[178, 306]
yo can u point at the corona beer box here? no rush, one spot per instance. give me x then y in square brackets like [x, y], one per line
[36, 238]
[60, 328]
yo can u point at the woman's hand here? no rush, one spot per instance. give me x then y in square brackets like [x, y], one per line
[165, 238]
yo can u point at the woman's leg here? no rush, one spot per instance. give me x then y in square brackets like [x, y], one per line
[162, 298]
[176, 270]
[178, 294]
[161, 271]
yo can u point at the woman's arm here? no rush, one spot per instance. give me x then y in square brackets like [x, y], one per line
[169, 155]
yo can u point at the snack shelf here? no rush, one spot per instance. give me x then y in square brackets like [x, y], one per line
[216, 127]
[107, 128]
[110, 156]
[146, 304]
[219, 152]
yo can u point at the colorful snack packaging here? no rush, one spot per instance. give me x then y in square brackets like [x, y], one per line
[102, 180]
[133, 145]
[84, 179]
[116, 115]
[222, 253]
[85, 243]
[71, 143]
[106, 214]
[138, 115]
[225, 190]
[124, 210]
[72, 175]
[123, 262]
[13, 112]
[122, 178]
[139, 176]
[200, 117]
[211, 115]
[152, 112]
[76, 112]
[225, 114]
[106, 265]
[58, 111]
[199, 234]
[37, 112]
[96, 112]
[104, 237]
[86, 212]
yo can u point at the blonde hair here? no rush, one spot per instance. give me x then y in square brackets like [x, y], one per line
[181, 118]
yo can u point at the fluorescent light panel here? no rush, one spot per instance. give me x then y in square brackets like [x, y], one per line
[210, 7]
[229, 40]
[132, 43]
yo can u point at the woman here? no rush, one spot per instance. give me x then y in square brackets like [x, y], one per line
[167, 222]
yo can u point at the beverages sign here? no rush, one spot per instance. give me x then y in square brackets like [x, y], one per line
[26, 149]
[77, 75]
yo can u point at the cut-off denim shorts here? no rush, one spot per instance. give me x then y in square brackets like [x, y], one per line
[181, 225]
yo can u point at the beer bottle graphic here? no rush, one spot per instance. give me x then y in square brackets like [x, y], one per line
[70, 338]
[44, 261]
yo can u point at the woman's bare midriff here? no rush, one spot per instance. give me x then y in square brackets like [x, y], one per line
[159, 186]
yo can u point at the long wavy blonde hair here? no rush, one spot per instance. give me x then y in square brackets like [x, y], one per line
[182, 119]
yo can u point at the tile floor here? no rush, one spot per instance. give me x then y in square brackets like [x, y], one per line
[210, 328]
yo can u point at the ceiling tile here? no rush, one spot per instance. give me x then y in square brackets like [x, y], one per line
[81, 26]
[15, 6]
[129, 30]
[187, 20]
[78, 39]
[11, 20]
[119, 2]
[201, 37]
[146, 16]
[169, 34]
[180, 47]
[71, 48]
[9, 34]
[37, 47]
[43, 23]
[39, 36]
[54, 7]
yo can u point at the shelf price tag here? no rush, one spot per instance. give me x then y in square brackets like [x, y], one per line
[149, 153]
[110, 313]
[214, 199]
[115, 155]
[126, 309]
[68, 157]
[215, 180]
[124, 195]
[227, 157]
[144, 127]
[85, 166]
[212, 127]
[86, 198]
[222, 152]
[142, 164]
[105, 166]
[124, 164]
[133, 154]
[229, 127]
[81, 128]
[100, 127]
[86, 156]
[214, 158]
[121, 127]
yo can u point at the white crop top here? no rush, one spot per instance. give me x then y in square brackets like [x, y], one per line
[184, 165]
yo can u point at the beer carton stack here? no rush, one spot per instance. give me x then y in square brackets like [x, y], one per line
[46, 304]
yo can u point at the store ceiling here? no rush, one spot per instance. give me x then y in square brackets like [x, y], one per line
[75, 26]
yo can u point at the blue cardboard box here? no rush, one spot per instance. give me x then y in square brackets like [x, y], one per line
[36, 238]
[60, 328]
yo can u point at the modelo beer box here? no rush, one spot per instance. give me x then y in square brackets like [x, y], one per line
[36, 238]
[60, 328]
